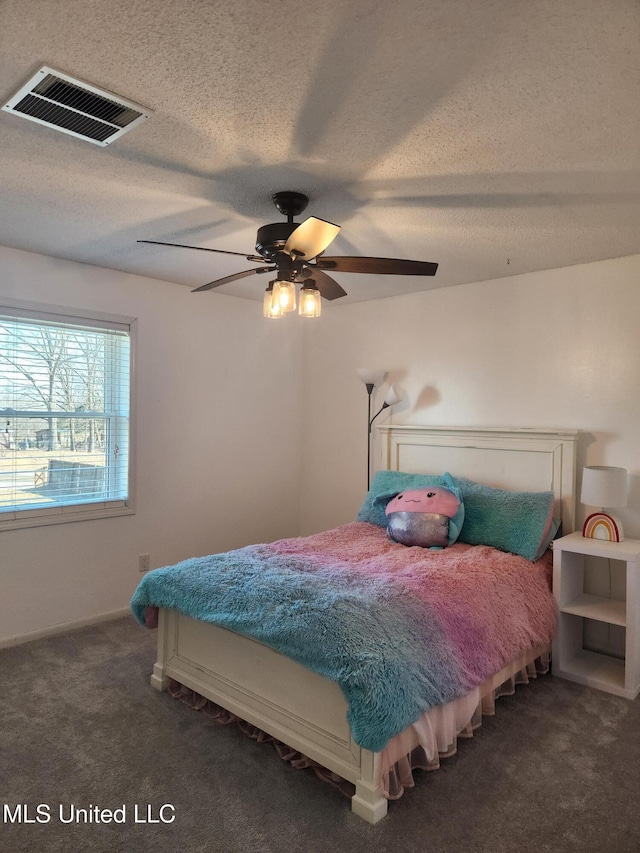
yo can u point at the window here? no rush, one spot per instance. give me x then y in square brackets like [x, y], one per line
[64, 416]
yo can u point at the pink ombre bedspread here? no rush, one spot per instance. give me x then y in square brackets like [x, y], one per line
[400, 629]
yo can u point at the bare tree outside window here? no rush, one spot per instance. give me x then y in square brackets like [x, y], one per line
[64, 403]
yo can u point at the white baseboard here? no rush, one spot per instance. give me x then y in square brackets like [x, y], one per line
[63, 628]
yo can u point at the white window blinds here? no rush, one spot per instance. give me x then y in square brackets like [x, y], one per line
[64, 416]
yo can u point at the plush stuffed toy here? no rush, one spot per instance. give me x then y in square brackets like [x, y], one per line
[431, 517]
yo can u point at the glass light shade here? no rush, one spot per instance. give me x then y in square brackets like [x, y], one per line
[604, 487]
[310, 301]
[370, 376]
[270, 308]
[284, 295]
[394, 395]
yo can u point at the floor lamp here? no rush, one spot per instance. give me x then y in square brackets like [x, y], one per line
[372, 379]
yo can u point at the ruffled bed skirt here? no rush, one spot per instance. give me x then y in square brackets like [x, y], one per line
[420, 747]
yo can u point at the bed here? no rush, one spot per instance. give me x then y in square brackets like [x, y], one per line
[308, 711]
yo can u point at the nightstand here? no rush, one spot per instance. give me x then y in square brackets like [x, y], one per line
[570, 659]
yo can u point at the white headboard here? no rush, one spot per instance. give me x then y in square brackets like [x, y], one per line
[533, 460]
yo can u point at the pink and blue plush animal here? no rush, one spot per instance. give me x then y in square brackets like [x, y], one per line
[431, 517]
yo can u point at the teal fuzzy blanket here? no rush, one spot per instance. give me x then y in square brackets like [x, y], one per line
[384, 621]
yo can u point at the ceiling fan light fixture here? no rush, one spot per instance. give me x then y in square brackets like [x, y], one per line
[296, 252]
[310, 300]
[270, 307]
[284, 295]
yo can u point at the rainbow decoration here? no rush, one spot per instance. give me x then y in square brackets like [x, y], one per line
[599, 525]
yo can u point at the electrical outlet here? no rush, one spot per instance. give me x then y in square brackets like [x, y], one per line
[143, 563]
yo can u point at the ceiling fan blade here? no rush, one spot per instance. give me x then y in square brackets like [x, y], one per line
[310, 238]
[378, 266]
[233, 277]
[329, 289]
[205, 249]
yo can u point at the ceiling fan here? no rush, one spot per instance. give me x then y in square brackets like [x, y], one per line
[294, 252]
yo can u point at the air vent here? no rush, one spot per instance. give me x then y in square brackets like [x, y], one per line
[71, 106]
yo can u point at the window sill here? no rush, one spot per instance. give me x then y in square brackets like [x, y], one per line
[62, 515]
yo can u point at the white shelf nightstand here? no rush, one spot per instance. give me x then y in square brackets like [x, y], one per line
[570, 659]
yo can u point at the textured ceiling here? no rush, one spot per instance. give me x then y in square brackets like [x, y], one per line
[493, 136]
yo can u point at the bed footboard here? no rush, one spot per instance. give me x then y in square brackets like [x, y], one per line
[291, 703]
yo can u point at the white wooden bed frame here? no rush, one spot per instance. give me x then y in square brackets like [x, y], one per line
[305, 710]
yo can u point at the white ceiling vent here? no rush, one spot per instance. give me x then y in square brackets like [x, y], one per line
[71, 106]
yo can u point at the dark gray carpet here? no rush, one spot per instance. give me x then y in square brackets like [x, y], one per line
[558, 768]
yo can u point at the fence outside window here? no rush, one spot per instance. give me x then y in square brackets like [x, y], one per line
[65, 416]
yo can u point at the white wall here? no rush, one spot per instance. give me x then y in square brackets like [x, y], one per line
[557, 348]
[218, 442]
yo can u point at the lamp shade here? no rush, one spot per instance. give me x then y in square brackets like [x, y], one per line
[604, 487]
[394, 395]
[284, 295]
[370, 376]
[310, 300]
[270, 308]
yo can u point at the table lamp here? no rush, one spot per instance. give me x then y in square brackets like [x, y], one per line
[604, 487]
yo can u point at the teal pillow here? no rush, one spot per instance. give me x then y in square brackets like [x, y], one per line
[518, 522]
